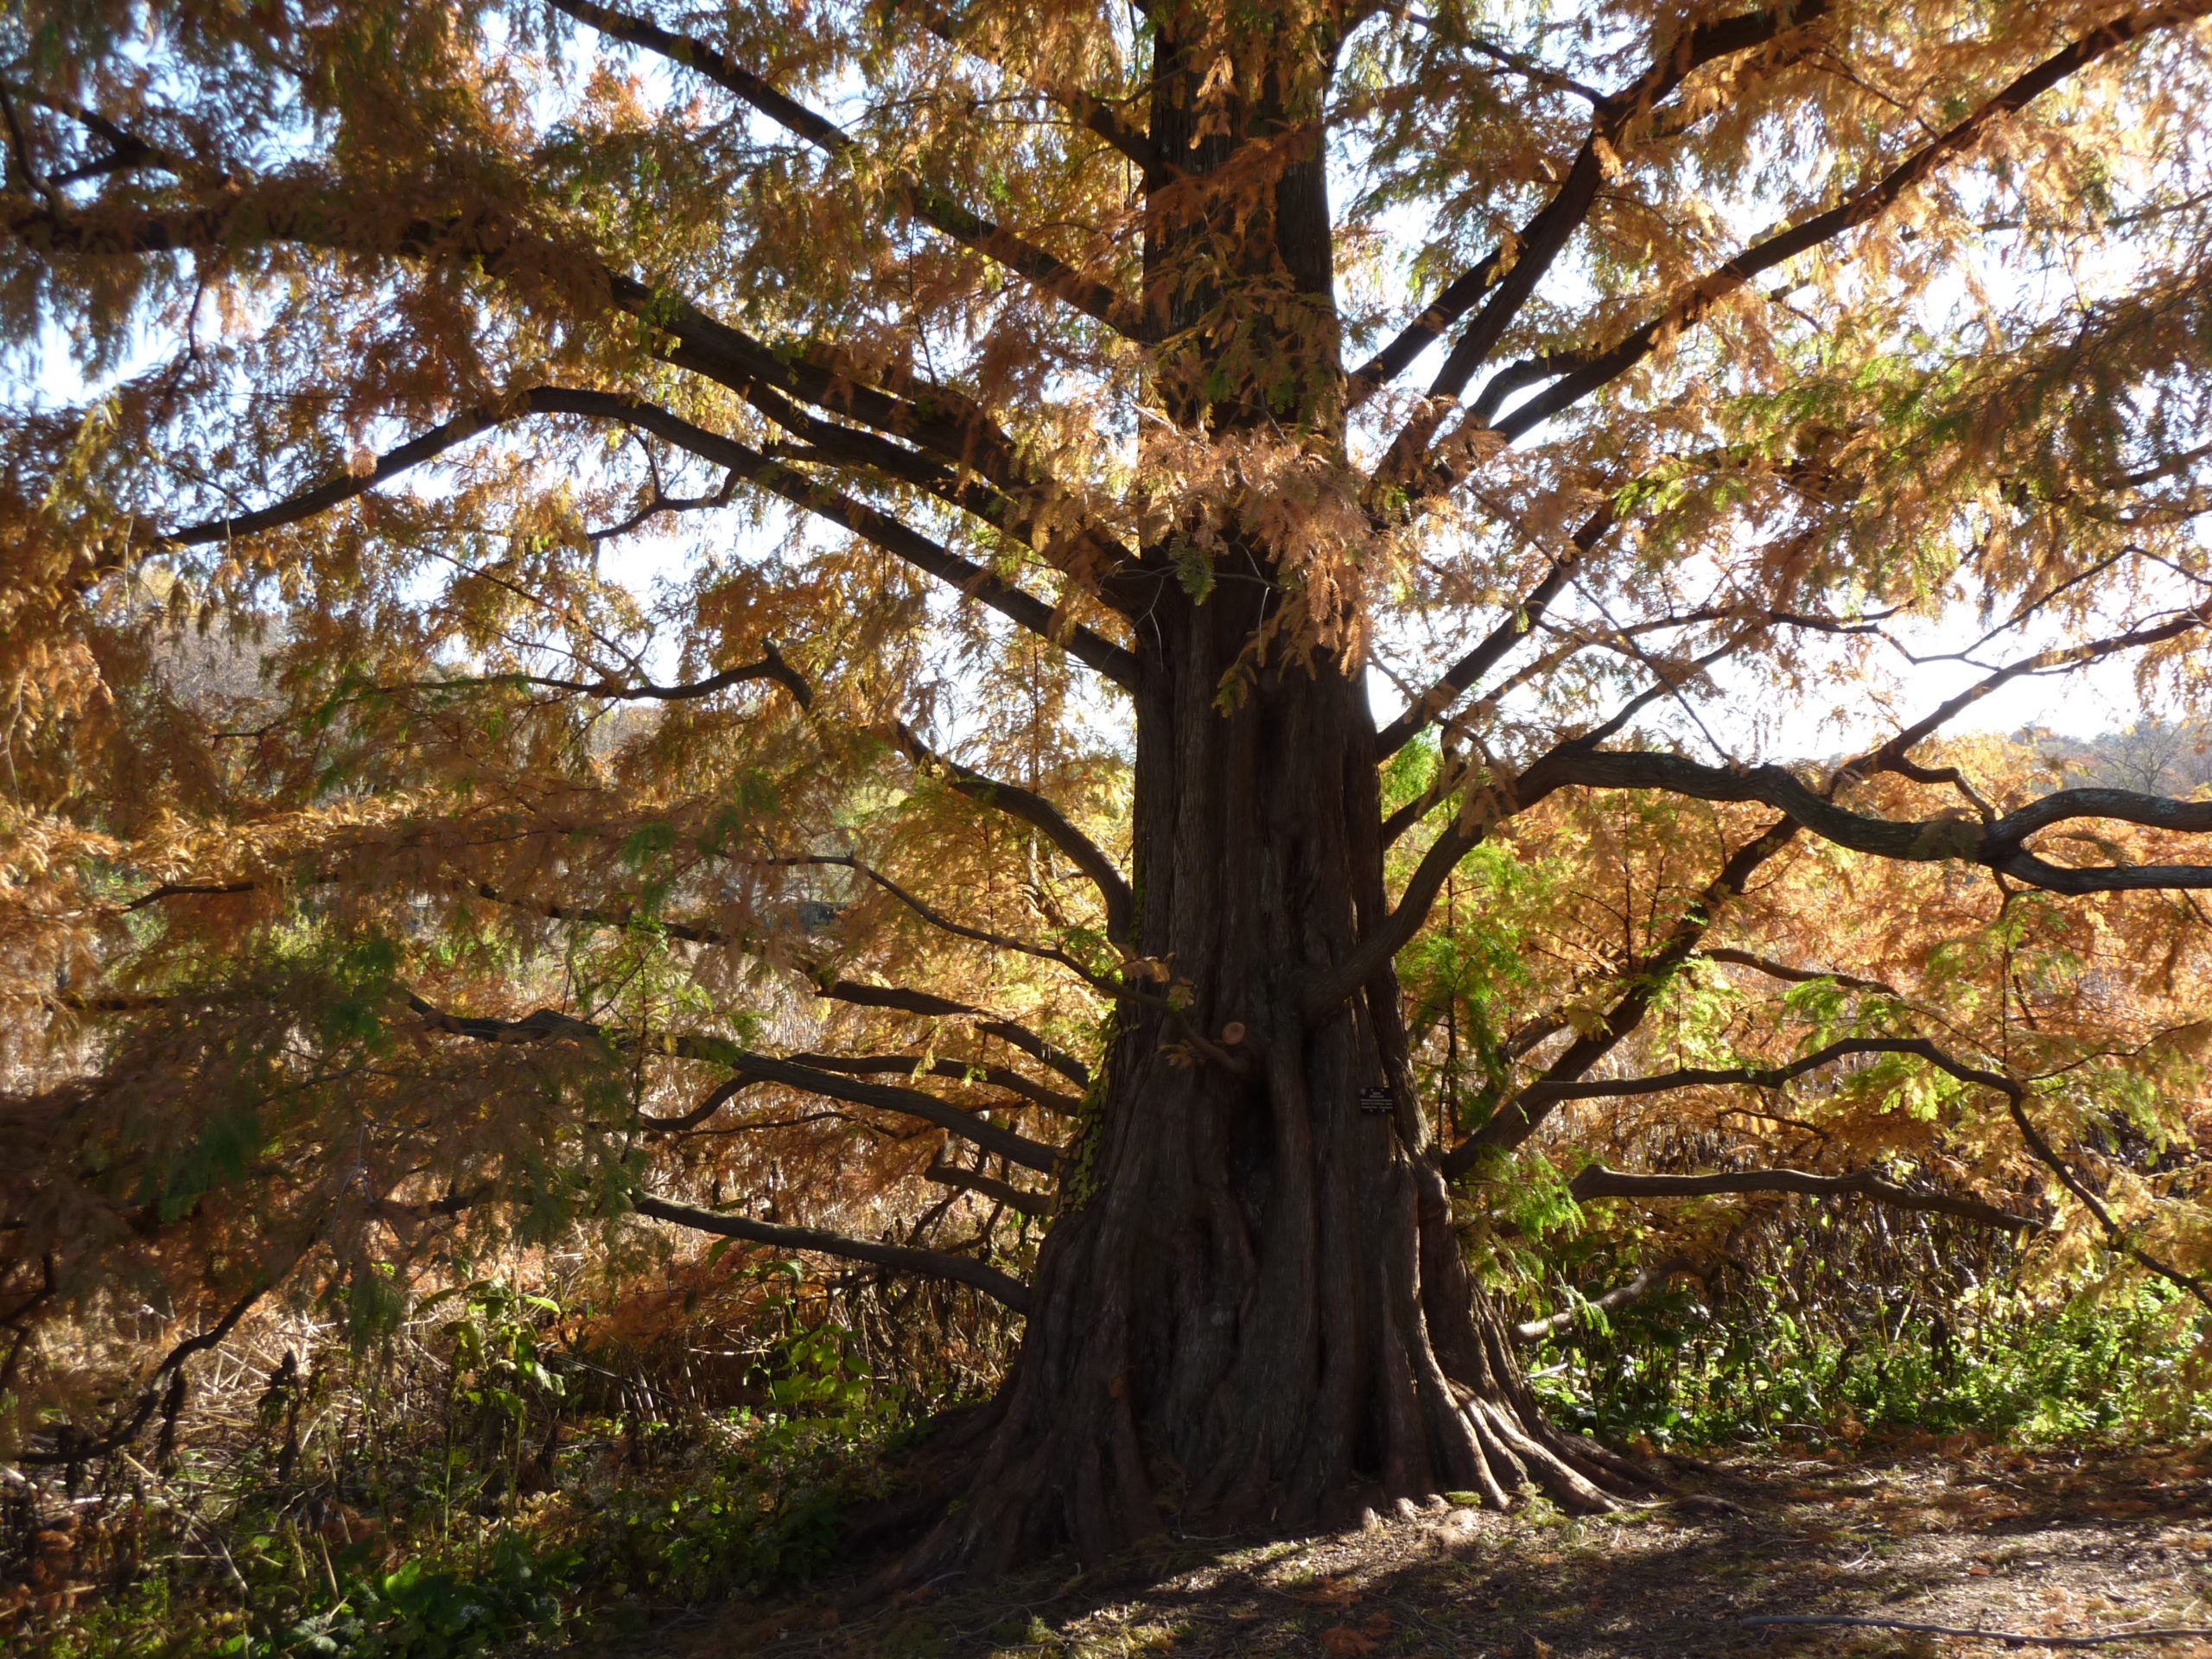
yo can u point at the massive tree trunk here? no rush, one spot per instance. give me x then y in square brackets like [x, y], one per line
[1255, 1306]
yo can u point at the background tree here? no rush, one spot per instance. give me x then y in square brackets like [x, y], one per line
[1054, 431]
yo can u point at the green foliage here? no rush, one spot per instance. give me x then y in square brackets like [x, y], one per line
[468, 1533]
[278, 952]
[501, 1371]
[417, 1611]
[1410, 770]
[1675, 1369]
[1470, 970]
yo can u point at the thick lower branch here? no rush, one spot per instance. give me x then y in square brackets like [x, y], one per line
[1784, 971]
[1600, 1182]
[546, 1024]
[929, 1005]
[936, 1264]
[1005, 1192]
[911, 1066]
[1997, 844]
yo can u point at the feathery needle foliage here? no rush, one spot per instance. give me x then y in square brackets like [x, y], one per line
[1163, 667]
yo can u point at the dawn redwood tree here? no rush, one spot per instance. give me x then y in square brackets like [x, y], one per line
[1052, 433]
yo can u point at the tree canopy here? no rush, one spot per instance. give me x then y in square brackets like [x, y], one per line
[663, 620]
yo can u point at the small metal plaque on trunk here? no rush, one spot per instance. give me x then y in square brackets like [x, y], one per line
[1375, 1100]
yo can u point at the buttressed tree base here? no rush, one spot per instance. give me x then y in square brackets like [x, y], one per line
[1034, 440]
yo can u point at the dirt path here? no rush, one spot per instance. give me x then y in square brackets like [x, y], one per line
[1987, 1539]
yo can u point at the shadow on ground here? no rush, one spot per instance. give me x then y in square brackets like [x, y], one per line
[1982, 1538]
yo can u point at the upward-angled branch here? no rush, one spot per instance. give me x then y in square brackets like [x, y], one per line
[1544, 238]
[1510, 632]
[1046, 270]
[1696, 301]
[1457, 298]
[306, 504]
[1539, 241]
[935, 418]
[1998, 843]
[932, 416]
[1892, 755]
[868, 523]
[125, 150]
[1082, 550]
[1481, 808]
[792, 484]
[1487, 798]
[1515, 1120]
